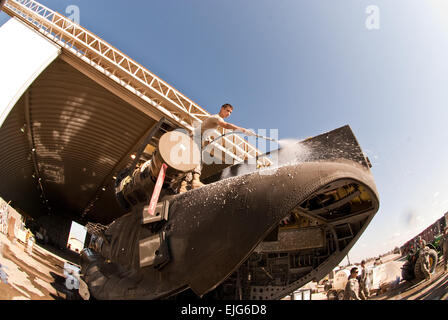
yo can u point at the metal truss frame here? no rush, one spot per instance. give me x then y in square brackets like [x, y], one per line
[126, 72]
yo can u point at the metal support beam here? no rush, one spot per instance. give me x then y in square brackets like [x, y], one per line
[115, 65]
[32, 148]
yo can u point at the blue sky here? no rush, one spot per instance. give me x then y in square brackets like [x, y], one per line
[305, 67]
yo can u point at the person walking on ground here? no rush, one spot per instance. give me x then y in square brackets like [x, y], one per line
[445, 248]
[352, 286]
[210, 124]
[423, 251]
[363, 289]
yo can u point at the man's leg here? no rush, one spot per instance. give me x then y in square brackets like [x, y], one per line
[361, 293]
[196, 183]
[184, 182]
[366, 291]
[183, 186]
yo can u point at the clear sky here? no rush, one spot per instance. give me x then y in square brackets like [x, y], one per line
[305, 67]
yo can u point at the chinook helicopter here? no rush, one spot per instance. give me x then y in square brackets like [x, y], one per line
[249, 233]
[252, 232]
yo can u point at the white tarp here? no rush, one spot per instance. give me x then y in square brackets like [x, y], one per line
[389, 272]
[24, 54]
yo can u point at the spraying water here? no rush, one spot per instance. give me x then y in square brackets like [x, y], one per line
[292, 151]
[289, 152]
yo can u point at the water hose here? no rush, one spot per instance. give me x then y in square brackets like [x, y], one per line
[255, 135]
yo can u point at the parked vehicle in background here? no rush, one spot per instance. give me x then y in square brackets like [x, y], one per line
[336, 291]
[413, 268]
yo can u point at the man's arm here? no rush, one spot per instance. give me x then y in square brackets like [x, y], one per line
[230, 126]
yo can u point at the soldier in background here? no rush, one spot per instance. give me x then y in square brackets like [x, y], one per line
[352, 286]
[412, 249]
[426, 264]
[363, 289]
[424, 251]
[421, 243]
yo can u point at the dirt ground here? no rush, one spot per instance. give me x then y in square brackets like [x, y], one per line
[41, 273]
[434, 289]
[34, 273]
